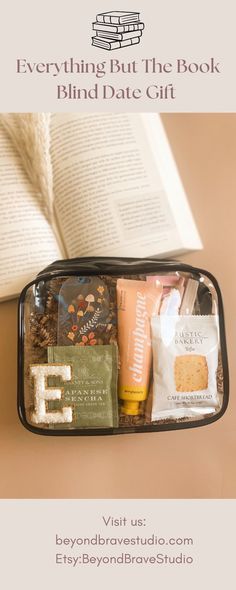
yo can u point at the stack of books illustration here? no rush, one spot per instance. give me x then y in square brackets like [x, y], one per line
[117, 29]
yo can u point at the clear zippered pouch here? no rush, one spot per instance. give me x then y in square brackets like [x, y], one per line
[112, 346]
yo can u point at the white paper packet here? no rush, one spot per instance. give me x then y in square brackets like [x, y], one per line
[185, 361]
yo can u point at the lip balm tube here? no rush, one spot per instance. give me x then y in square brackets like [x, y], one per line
[137, 302]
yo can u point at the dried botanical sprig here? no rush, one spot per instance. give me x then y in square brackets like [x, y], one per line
[43, 326]
[30, 134]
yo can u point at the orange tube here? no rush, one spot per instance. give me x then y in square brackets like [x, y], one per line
[137, 302]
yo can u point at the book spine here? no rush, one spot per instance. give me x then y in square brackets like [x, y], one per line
[134, 27]
[124, 19]
[106, 18]
[127, 42]
[118, 36]
[118, 28]
[114, 44]
[114, 20]
[109, 44]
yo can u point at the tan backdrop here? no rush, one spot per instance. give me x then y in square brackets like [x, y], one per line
[198, 463]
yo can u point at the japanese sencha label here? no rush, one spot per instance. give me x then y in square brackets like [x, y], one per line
[92, 391]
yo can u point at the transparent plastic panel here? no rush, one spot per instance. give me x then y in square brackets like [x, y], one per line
[118, 352]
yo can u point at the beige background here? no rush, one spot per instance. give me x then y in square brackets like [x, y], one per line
[173, 30]
[194, 463]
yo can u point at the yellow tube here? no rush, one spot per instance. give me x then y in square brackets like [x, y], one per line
[137, 302]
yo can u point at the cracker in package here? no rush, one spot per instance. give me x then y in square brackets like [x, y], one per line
[185, 362]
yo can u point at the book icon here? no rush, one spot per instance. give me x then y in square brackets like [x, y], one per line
[116, 29]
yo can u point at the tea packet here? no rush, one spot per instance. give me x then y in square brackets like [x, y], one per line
[92, 391]
[185, 362]
[86, 312]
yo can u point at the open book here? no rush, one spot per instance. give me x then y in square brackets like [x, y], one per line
[117, 192]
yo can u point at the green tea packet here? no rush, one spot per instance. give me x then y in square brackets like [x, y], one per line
[92, 391]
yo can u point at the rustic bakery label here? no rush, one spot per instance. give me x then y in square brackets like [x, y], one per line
[190, 339]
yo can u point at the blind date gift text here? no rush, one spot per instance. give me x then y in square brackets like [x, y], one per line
[109, 92]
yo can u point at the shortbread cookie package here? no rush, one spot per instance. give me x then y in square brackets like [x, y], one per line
[112, 346]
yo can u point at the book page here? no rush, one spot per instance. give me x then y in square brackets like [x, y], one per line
[109, 194]
[171, 180]
[27, 242]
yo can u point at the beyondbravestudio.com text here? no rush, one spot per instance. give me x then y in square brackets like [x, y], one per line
[124, 541]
